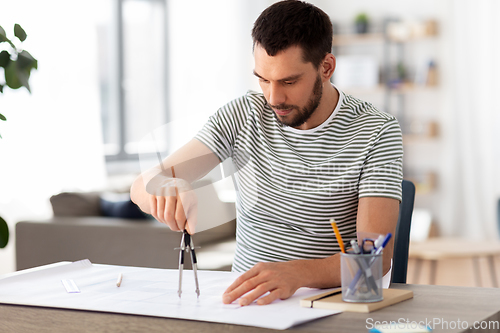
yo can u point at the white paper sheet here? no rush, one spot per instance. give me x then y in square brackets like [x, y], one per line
[151, 292]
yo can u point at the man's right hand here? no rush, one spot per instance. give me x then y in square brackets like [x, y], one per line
[173, 201]
[154, 191]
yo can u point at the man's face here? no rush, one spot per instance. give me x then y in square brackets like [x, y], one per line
[292, 87]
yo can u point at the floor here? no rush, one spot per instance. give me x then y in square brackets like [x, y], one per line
[454, 272]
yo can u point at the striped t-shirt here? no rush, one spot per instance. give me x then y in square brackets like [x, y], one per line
[290, 182]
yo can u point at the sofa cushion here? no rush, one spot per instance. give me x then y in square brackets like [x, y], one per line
[76, 204]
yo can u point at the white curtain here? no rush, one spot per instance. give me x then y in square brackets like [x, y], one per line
[52, 137]
[475, 118]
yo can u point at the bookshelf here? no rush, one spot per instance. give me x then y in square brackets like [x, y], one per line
[399, 81]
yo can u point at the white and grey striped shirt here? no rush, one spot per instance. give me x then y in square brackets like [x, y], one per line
[290, 182]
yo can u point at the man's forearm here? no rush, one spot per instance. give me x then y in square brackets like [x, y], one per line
[319, 273]
[326, 273]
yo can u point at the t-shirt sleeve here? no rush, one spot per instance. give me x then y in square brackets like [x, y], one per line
[220, 132]
[382, 171]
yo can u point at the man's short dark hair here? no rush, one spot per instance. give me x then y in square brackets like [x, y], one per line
[294, 23]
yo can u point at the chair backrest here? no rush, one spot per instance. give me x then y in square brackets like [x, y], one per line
[402, 237]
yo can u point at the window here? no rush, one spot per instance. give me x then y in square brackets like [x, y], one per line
[133, 75]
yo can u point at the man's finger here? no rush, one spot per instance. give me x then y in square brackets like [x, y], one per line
[257, 292]
[242, 278]
[192, 220]
[180, 216]
[190, 204]
[160, 209]
[170, 205]
[153, 206]
[268, 299]
[241, 289]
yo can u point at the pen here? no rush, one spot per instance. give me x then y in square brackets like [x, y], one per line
[355, 246]
[370, 280]
[337, 234]
[381, 247]
[354, 281]
[119, 281]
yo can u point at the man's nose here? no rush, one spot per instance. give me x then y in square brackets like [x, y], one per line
[276, 94]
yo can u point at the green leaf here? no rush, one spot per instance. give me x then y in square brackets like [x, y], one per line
[4, 233]
[19, 32]
[4, 59]
[3, 35]
[1, 88]
[17, 73]
[24, 78]
[12, 76]
[2, 117]
[26, 61]
[3, 38]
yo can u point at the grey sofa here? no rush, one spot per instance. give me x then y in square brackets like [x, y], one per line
[109, 240]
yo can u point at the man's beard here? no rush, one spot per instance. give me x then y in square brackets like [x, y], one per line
[302, 114]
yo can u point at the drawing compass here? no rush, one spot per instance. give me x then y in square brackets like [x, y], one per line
[187, 246]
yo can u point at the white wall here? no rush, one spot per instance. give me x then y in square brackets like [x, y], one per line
[52, 138]
[210, 60]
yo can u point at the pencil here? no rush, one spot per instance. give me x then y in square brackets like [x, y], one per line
[341, 243]
[173, 176]
[337, 234]
[119, 281]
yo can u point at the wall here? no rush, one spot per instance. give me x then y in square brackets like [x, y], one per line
[210, 60]
[52, 137]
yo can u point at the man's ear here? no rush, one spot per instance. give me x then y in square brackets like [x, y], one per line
[328, 67]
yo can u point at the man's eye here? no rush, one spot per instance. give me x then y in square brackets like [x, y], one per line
[289, 83]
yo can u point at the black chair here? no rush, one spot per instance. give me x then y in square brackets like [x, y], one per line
[402, 237]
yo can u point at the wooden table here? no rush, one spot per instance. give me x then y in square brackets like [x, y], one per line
[430, 303]
[436, 249]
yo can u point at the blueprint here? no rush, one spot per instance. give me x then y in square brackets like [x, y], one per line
[150, 292]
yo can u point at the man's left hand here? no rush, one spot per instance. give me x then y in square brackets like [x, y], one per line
[280, 279]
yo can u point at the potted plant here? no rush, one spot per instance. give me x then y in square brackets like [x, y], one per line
[17, 64]
[4, 233]
[361, 23]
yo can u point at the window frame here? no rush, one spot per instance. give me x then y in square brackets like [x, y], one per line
[118, 56]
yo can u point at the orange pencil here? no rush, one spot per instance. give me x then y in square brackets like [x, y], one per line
[337, 234]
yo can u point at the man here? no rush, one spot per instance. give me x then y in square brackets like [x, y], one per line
[305, 153]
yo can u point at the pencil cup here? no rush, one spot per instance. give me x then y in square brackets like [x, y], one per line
[361, 277]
